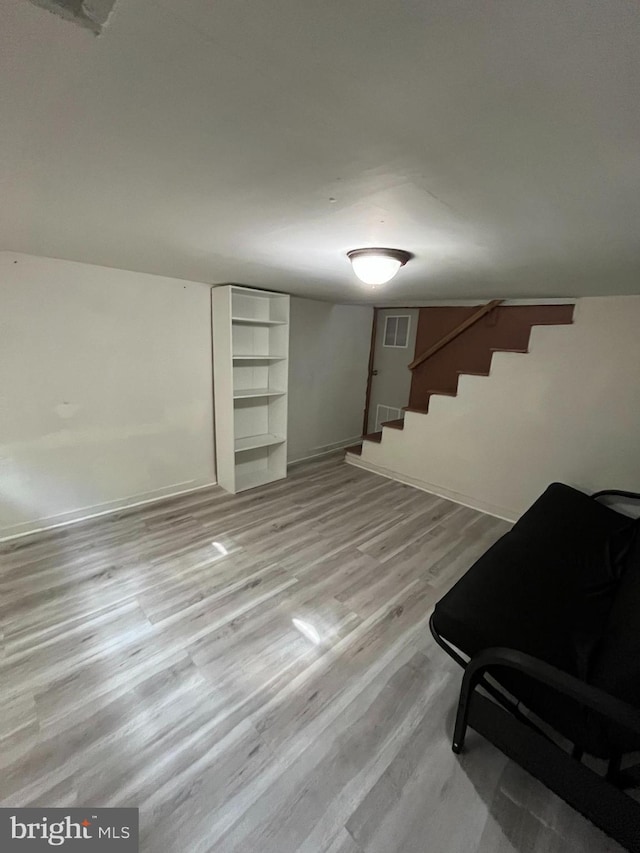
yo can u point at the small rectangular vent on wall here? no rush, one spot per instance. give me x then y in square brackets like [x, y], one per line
[386, 413]
[90, 14]
[396, 330]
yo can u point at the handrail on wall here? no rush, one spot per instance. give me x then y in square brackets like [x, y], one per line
[450, 336]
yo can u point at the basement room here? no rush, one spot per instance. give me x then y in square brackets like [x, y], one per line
[320, 426]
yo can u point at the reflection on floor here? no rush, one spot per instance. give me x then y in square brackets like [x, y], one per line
[256, 674]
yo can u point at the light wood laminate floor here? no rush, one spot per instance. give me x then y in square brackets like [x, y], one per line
[256, 674]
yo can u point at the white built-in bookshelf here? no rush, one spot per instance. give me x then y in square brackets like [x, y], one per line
[250, 369]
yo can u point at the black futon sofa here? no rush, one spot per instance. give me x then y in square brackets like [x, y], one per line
[547, 622]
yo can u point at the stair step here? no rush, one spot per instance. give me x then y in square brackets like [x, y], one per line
[397, 424]
[373, 436]
[507, 330]
[356, 449]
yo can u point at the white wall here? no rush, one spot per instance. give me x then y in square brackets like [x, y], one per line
[106, 387]
[328, 360]
[569, 410]
[105, 390]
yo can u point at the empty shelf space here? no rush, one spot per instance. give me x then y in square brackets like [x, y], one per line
[253, 441]
[244, 393]
[253, 479]
[259, 357]
[256, 321]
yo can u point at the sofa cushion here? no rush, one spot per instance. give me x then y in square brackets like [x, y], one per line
[616, 661]
[547, 586]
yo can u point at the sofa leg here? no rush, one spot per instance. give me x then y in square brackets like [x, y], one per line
[462, 720]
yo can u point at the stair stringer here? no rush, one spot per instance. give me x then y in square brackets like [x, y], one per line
[506, 436]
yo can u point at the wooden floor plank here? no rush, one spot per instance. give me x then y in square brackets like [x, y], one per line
[255, 673]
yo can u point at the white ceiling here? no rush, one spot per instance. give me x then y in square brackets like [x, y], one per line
[256, 141]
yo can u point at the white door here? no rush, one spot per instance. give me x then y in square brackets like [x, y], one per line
[394, 349]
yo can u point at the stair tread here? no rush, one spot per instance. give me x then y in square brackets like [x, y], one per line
[473, 358]
[398, 423]
[373, 436]
[356, 449]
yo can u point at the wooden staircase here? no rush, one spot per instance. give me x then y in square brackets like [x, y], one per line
[454, 341]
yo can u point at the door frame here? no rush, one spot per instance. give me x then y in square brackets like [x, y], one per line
[372, 347]
[372, 352]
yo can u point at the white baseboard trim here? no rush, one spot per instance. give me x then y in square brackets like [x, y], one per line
[40, 525]
[439, 491]
[326, 450]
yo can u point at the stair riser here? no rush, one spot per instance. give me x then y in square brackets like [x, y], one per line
[506, 329]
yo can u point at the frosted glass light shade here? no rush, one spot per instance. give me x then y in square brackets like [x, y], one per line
[377, 266]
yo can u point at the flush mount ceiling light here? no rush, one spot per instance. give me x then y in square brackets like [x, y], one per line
[377, 266]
